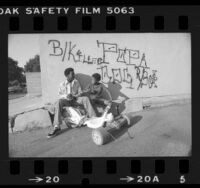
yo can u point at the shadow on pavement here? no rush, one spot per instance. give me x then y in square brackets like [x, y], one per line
[134, 120]
[65, 130]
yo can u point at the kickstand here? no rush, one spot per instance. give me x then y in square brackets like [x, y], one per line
[129, 135]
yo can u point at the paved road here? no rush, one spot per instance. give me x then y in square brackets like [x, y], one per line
[162, 131]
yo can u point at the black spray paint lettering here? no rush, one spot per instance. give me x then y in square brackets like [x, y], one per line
[95, 61]
[127, 77]
[79, 55]
[141, 72]
[133, 54]
[127, 56]
[57, 50]
[107, 47]
[104, 74]
[142, 75]
[121, 55]
[122, 75]
[117, 75]
[152, 79]
[87, 60]
[68, 52]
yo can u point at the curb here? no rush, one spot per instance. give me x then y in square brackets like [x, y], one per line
[147, 105]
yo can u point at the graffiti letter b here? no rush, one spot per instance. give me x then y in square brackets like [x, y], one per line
[57, 50]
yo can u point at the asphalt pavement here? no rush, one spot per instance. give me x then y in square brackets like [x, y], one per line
[163, 131]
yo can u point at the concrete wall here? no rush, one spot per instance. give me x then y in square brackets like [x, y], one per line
[33, 80]
[131, 65]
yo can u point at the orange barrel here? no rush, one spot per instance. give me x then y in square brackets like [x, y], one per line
[111, 131]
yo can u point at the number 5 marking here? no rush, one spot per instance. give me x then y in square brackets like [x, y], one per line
[182, 179]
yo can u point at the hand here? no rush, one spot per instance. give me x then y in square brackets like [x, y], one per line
[92, 97]
[69, 97]
[63, 96]
[77, 95]
[86, 90]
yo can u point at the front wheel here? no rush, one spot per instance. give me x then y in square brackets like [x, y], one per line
[100, 136]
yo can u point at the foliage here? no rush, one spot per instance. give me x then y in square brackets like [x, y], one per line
[15, 73]
[33, 65]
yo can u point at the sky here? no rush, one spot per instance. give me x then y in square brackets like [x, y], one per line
[22, 47]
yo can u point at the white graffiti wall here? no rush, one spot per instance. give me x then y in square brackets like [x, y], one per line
[134, 65]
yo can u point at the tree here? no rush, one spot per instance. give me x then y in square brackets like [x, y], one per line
[33, 65]
[15, 72]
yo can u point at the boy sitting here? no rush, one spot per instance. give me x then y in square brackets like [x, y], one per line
[95, 91]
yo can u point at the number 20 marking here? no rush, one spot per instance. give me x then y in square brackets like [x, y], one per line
[54, 179]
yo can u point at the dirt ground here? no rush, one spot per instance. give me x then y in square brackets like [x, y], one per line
[162, 131]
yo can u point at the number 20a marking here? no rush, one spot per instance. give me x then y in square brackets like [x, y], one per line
[147, 179]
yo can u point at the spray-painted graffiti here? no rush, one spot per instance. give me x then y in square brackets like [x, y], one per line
[104, 74]
[127, 78]
[70, 52]
[130, 71]
[143, 76]
[117, 76]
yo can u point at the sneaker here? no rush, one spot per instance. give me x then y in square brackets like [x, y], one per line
[53, 133]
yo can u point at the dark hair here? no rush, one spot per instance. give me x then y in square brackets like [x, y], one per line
[97, 77]
[68, 70]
